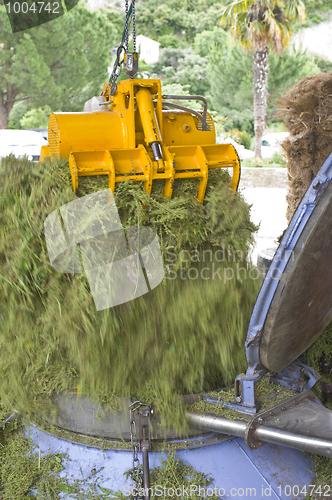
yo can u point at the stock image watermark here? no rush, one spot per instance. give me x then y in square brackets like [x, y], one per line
[222, 254]
[86, 235]
[27, 14]
[223, 274]
[202, 491]
[223, 264]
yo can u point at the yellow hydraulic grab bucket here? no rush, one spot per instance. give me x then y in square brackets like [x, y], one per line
[134, 135]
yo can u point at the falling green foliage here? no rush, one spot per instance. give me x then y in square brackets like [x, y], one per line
[185, 336]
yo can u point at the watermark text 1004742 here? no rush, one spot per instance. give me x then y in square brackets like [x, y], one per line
[35, 7]
[26, 14]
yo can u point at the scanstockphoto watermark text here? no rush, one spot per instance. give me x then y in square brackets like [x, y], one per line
[222, 254]
[196, 490]
[224, 264]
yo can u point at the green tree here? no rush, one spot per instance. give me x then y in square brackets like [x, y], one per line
[59, 64]
[324, 64]
[169, 41]
[261, 25]
[157, 18]
[313, 8]
[36, 118]
[170, 57]
[285, 72]
[232, 83]
[206, 40]
[23, 71]
[182, 66]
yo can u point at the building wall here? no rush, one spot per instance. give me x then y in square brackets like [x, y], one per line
[148, 48]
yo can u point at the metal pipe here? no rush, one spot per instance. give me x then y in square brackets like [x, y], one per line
[191, 98]
[218, 424]
[183, 108]
[315, 445]
[263, 433]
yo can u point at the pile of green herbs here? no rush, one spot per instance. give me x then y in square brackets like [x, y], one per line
[184, 336]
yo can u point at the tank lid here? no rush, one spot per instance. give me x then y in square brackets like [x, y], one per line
[294, 304]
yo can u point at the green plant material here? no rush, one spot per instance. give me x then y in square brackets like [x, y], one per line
[4, 412]
[181, 222]
[169, 41]
[323, 482]
[183, 19]
[240, 136]
[36, 118]
[315, 9]
[245, 138]
[266, 392]
[224, 396]
[174, 474]
[319, 350]
[232, 83]
[102, 443]
[185, 336]
[27, 472]
[23, 470]
[319, 356]
[323, 63]
[182, 66]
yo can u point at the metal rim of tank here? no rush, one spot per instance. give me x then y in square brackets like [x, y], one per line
[81, 420]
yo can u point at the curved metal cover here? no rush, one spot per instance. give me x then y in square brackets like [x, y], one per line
[294, 304]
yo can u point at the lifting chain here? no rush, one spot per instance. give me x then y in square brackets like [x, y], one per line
[126, 28]
[140, 441]
[130, 59]
[116, 71]
[133, 17]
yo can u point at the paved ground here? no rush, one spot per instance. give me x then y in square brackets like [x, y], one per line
[268, 210]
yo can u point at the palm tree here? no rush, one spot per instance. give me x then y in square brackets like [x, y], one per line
[260, 25]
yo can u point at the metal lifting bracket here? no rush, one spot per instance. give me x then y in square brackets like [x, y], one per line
[140, 414]
[293, 377]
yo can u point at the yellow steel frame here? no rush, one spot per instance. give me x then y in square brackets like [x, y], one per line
[119, 141]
